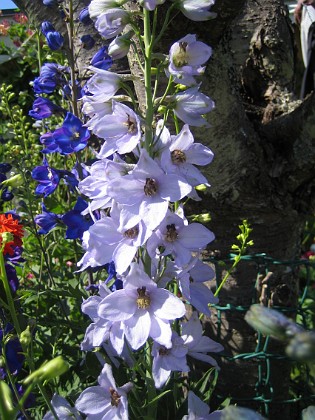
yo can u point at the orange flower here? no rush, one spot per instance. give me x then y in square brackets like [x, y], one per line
[12, 227]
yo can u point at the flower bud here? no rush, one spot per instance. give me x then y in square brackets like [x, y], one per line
[232, 412]
[308, 413]
[302, 347]
[49, 370]
[26, 337]
[6, 404]
[201, 187]
[201, 218]
[14, 181]
[271, 322]
[119, 47]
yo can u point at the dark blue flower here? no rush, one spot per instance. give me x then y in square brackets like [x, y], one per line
[44, 85]
[49, 141]
[12, 277]
[51, 75]
[72, 136]
[43, 108]
[77, 224]
[54, 40]
[49, 2]
[46, 27]
[5, 167]
[6, 194]
[13, 352]
[46, 220]
[48, 179]
[87, 41]
[101, 59]
[84, 17]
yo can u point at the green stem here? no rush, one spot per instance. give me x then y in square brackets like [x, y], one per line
[18, 329]
[7, 290]
[236, 261]
[147, 80]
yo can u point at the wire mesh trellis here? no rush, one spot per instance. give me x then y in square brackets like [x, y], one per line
[263, 355]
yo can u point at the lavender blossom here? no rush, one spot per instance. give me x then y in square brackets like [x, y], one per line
[111, 22]
[166, 361]
[106, 241]
[94, 185]
[120, 130]
[186, 57]
[151, 4]
[198, 344]
[190, 105]
[63, 410]
[178, 239]
[182, 154]
[97, 7]
[106, 401]
[145, 193]
[142, 309]
[197, 10]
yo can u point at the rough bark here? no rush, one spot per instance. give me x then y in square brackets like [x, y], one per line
[263, 140]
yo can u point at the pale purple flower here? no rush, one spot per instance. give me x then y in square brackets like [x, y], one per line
[106, 401]
[151, 4]
[199, 410]
[112, 22]
[197, 344]
[120, 130]
[182, 154]
[186, 58]
[166, 361]
[146, 192]
[119, 47]
[97, 7]
[179, 239]
[106, 241]
[197, 10]
[191, 283]
[94, 185]
[190, 105]
[63, 410]
[142, 309]
[103, 84]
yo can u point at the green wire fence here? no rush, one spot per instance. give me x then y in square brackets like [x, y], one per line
[264, 393]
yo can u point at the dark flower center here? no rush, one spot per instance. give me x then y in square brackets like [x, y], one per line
[150, 187]
[171, 233]
[143, 300]
[180, 59]
[163, 351]
[131, 233]
[114, 397]
[178, 156]
[131, 125]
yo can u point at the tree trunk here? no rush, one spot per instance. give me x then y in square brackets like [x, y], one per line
[262, 138]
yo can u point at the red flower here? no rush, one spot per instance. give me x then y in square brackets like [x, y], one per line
[12, 226]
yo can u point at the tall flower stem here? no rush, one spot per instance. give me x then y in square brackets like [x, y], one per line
[18, 329]
[147, 79]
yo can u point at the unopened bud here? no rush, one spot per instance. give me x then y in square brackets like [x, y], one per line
[6, 237]
[302, 347]
[201, 187]
[49, 370]
[308, 413]
[14, 181]
[232, 412]
[271, 322]
[26, 337]
[119, 47]
[6, 404]
[201, 218]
